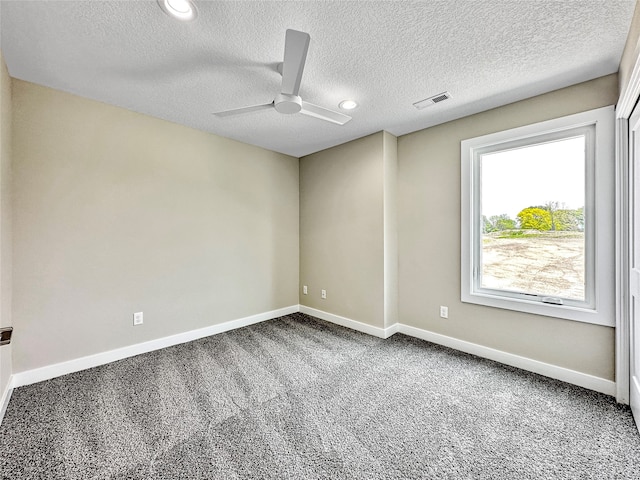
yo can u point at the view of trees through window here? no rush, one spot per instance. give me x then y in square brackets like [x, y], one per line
[532, 202]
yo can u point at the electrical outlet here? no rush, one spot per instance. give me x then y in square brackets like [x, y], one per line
[138, 318]
[323, 294]
[304, 289]
[444, 311]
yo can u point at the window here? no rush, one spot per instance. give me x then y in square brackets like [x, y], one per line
[537, 218]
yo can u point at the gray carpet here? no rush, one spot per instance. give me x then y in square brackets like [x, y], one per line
[298, 398]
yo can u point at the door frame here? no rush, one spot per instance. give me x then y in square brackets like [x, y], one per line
[626, 103]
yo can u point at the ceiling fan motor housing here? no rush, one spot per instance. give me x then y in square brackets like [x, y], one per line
[284, 103]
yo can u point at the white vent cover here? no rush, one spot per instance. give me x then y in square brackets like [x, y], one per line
[427, 102]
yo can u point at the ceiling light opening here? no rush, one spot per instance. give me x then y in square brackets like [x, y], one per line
[348, 104]
[181, 9]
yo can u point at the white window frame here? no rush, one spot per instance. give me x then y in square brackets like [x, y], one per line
[599, 306]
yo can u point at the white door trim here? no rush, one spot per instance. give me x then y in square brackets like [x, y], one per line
[622, 256]
[634, 264]
[626, 102]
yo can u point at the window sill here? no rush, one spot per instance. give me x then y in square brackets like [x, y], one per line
[565, 312]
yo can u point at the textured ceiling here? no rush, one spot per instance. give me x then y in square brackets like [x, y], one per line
[385, 55]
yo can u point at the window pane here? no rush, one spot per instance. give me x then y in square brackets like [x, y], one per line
[532, 205]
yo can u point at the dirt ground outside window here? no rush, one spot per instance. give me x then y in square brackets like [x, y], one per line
[543, 263]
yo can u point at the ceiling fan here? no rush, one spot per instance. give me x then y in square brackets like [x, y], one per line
[288, 101]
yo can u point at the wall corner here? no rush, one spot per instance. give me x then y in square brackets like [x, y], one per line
[390, 209]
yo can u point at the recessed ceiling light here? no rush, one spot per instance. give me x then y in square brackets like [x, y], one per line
[348, 105]
[180, 9]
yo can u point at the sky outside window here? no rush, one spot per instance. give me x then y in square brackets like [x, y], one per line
[534, 175]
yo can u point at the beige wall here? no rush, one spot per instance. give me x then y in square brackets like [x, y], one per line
[631, 51]
[5, 220]
[429, 240]
[116, 212]
[341, 230]
[390, 199]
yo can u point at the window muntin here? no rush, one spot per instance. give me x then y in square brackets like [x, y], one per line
[562, 264]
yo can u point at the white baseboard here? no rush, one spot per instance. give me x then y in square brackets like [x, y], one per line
[6, 396]
[349, 323]
[51, 371]
[574, 377]
[395, 328]
[553, 371]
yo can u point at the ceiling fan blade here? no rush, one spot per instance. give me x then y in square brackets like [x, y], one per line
[240, 111]
[295, 55]
[324, 113]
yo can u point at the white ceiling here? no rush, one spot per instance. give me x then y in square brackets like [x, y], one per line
[385, 55]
